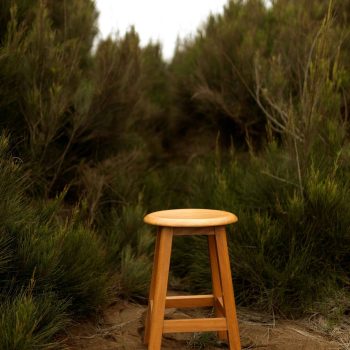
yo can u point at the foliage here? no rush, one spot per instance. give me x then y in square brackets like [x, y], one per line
[46, 269]
[250, 51]
[64, 112]
[129, 244]
[29, 322]
[251, 116]
[278, 246]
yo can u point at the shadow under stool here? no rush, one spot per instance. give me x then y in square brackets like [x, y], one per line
[183, 222]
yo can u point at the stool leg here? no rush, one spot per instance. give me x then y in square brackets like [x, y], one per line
[160, 288]
[215, 277]
[227, 288]
[151, 290]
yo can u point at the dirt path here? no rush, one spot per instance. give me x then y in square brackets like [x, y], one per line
[121, 327]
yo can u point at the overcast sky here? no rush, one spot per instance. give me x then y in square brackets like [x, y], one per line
[159, 20]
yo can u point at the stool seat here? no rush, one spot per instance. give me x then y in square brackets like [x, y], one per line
[190, 218]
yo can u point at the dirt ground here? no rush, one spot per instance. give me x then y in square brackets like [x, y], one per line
[121, 327]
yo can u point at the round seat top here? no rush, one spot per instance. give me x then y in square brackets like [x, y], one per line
[190, 218]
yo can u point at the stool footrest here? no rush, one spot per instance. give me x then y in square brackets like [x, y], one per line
[195, 325]
[189, 301]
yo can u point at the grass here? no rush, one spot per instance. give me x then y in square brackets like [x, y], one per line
[29, 322]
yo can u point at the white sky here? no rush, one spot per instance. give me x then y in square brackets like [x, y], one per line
[159, 20]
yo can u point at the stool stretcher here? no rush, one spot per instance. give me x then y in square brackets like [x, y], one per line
[189, 301]
[195, 325]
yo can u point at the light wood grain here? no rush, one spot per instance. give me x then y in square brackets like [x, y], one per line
[189, 301]
[151, 290]
[195, 325]
[227, 289]
[190, 218]
[216, 283]
[160, 288]
[193, 231]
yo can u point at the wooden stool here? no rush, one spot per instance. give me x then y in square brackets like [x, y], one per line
[181, 222]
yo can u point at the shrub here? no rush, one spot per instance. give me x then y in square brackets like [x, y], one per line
[63, 263]
[29, 322]
[287, 250]
[129, 244]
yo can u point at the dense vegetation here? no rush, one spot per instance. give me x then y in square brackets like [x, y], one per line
[250, 116]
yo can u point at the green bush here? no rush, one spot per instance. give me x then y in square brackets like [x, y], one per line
[251, 60]
[129, 243]
[62, 262]
[67, 108]
[29, 322]
[287, 250]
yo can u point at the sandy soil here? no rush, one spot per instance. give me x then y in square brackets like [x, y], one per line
[121, 327]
